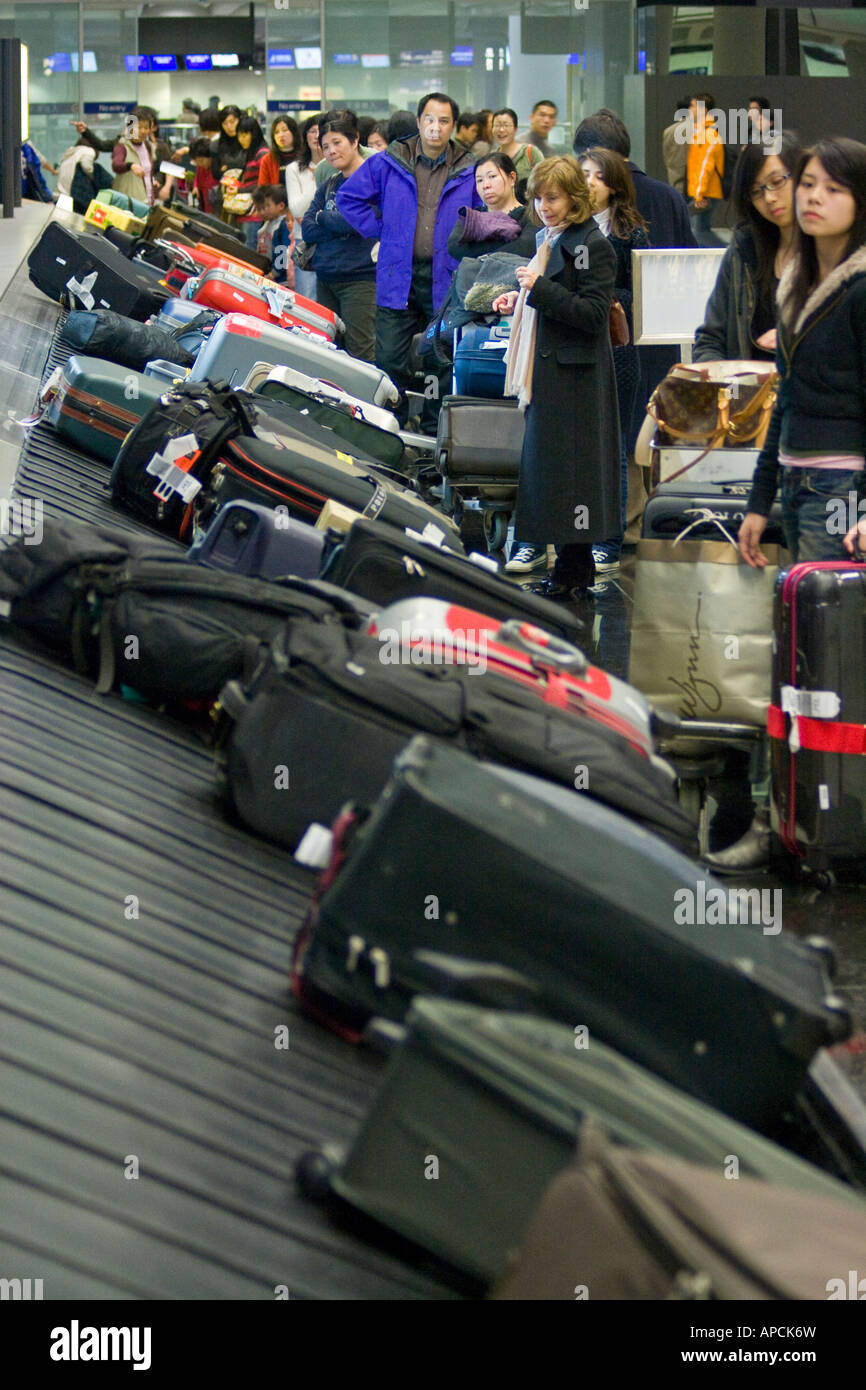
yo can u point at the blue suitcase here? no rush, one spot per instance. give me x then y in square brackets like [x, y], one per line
[176, 312]
[254, 540]
[479, 360]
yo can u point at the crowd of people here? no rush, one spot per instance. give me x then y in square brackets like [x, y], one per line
[373, 217]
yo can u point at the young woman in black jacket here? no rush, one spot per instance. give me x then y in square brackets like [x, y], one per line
[816, 443]
[741, 311]
[612, 188]
[817, 435]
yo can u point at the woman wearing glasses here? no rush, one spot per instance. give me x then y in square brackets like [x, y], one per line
[741, 312]
[815, 450]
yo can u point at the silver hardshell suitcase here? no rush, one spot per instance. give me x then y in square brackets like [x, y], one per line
[239, 341]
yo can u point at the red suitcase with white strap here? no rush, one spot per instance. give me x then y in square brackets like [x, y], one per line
[234, 294]
[229, 294]
[558, 671]
[817, 718]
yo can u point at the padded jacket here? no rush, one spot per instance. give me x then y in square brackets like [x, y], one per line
[821, 360]
[381, 200]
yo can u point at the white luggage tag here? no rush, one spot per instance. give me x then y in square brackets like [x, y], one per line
[174, 479]
[431, 535]
[81, 288]
[812, 704]
[314, 848]
[278, 301]
[484, 562]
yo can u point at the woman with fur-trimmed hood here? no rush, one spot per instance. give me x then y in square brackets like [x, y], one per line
[816, 444]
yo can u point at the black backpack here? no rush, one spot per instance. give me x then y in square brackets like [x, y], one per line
[192, 420]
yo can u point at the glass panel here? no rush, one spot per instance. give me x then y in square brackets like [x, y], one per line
[107, 88]
[833, 43]
[51, 35]
[293, 75]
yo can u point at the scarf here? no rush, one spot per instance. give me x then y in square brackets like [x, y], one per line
[602, 220]
[520, 356]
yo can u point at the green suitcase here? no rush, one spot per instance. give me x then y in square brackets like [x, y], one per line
[479, 1110]
[94, 404]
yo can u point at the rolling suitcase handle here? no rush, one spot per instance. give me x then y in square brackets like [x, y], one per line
[542, 647]
[179, 254]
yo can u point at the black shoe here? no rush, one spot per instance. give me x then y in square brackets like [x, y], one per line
[562, 592]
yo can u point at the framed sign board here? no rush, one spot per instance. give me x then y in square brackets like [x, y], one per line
[671, 289]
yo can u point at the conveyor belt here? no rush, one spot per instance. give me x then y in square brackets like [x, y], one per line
[145, 947]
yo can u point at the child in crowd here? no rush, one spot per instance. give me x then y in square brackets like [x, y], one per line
[204, 185]
[275, 235]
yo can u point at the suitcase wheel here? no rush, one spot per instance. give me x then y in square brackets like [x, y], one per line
[826, 950]
[314, 1171]
[496, 530]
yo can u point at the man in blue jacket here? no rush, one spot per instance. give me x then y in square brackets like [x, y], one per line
[408, 196]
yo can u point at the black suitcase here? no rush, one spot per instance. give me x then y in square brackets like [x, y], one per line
[701, 516]
[211, 232]
[817, 717]
[330, 708]
[294, 468]
[360, 434]
[92, 273]
[513, 904]
[385, 565]
[137, 612]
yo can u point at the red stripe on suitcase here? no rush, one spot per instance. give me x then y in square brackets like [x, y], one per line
[790, 585]
[820, 735]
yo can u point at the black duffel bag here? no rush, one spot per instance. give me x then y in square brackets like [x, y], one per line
[135, 611]
[326, 704]
[102, 333]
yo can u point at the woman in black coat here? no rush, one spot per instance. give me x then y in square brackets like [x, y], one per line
[560, 365]
[612, 188]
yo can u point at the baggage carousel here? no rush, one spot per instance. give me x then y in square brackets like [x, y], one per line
[148, 1123]
[149, 1126]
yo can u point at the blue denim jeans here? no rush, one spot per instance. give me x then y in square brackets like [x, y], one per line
[701, 220]
[813, 519]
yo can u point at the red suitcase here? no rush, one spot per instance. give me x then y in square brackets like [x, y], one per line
[561, 675]
[231, 294]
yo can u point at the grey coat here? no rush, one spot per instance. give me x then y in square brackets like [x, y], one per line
[569, 489]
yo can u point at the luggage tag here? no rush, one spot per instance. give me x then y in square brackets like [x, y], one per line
[81, 288]
[431, 535]
[314, 847]
[810, 704]
[279, 302]
[172, 468]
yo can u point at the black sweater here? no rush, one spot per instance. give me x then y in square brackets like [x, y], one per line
[821, 360]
